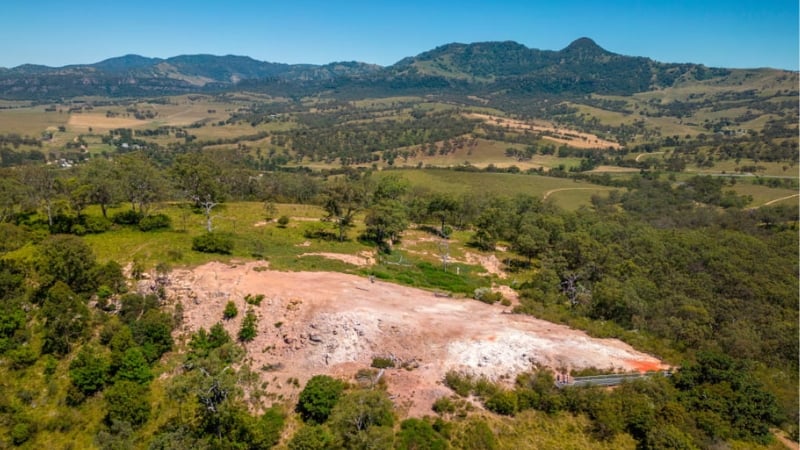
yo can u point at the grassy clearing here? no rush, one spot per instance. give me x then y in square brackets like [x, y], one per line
[253, 238]
[503, 184]
[730, 166]
[762, 194]
[30, 121]
[457, 278]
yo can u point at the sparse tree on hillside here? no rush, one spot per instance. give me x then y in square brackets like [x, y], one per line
[42, 185]
[343, 199]
[385, 221]
[104, 182]
[200, 179]
[143, 183]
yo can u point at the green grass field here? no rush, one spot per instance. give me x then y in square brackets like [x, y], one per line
[574, 195]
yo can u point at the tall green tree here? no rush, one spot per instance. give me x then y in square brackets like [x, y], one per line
[343, 199]
[41, 183]
[89, 370]
[385, 221]
[318, 398]
[67, 259]
[143, 183]
[104, 181]
[199, 178]
[66, 319]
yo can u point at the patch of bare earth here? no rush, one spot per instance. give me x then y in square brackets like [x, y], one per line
[361, 259]
[85, 120]
[566, 136]
[332, 323]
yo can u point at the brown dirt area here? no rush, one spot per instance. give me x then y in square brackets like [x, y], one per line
[566, 136]
[100, 121]
[361, 260]
[332, 323]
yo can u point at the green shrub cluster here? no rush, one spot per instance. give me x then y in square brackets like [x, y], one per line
[155, 222]
[213, 243]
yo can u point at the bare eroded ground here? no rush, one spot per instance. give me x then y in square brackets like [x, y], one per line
[573, 138]
[321, 322]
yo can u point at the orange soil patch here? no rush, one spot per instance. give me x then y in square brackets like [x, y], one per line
[321, 322]
[566, 136]
[645, 366]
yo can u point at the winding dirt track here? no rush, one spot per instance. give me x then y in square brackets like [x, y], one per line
[778, 200]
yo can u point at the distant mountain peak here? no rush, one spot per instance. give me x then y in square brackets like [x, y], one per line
[584, 46]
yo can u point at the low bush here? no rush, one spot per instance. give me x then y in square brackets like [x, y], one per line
[129, 217]
[283, 221]
[213, 243]
[379, 362]
[230, 310]
[486, 295]
[503, 402]
[155, 222]
[254, 300]
[96, 224]
[460, 384]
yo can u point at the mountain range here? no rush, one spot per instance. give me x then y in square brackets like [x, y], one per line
[487, 67]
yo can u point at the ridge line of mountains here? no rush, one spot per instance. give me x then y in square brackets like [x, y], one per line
[581, 68]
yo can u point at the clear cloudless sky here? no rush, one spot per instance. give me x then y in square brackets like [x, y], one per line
[732, 33]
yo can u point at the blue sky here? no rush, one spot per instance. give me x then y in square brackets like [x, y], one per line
[744, 33]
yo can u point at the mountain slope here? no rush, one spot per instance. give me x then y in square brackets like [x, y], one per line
[485, 68]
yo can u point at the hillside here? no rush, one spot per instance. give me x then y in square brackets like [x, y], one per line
[495, 68]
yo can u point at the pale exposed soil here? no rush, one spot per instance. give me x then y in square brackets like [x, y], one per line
[321, 322]
[361, 260]
[614, 169]
[567, 136]
[492, 265]
[100, 121]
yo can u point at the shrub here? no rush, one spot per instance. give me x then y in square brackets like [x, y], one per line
[254, 300]
[230, 311]
[379, 362]
[213, 243]
[318, 398]
[22, 357]
[89, 370]
[485, 388]
[460, 384]
[21, 433]
[129, 217]
[155, 222]
[283, 221]
[444, 405]
[311, 437]
[248, 331]
[127, 401]
[486, 295]
[417, 434]
[502, 402]
[96, 224]
[134, 367]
